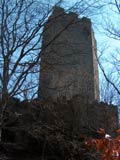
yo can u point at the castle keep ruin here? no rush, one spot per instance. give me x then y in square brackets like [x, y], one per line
[68, 57]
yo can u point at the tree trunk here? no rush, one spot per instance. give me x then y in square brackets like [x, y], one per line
[5, 81]
[3, 107]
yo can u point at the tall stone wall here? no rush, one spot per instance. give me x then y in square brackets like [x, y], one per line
[83, 117]
[68, 57]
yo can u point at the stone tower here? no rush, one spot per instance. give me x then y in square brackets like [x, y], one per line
[68, 57]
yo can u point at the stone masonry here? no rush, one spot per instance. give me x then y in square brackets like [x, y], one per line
[68, 57]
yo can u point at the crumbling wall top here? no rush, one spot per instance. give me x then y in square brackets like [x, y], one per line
[73, 15]
[58, 11]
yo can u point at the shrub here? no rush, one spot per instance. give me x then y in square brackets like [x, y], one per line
[108, 147]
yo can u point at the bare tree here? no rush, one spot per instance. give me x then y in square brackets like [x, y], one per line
[17, 50]
[110, 64]
[108, 93]
[113, 30]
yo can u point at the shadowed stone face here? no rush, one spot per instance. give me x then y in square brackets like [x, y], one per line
[68, 58]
